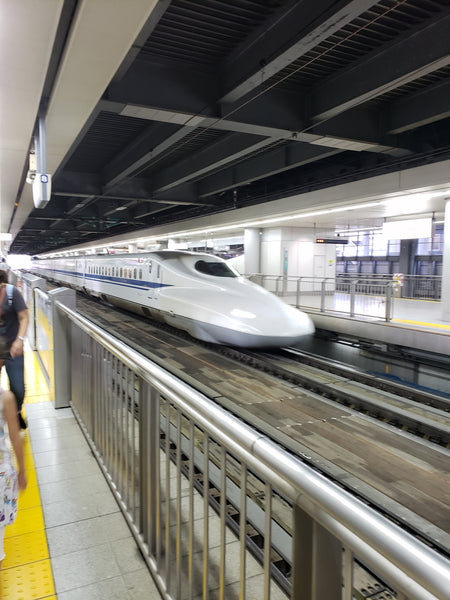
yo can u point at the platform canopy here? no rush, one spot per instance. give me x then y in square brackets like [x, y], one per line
[162, 112]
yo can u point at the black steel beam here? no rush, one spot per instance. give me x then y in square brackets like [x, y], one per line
[233, 147]
[414, 110]
[299, 28]
[88, 186]
[417, 53]
[275, 161]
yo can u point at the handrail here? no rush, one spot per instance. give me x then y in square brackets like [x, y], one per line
[412, 567]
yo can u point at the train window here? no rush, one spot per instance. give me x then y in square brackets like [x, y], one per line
[140, 273]
[130, 273]
[134, 273]
[149, 266]
[158, 273]
[109, 271]
[120, 271]
[216, 269]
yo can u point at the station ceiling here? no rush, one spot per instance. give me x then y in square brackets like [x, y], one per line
[158, 111]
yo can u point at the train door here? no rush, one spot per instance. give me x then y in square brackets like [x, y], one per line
[155, 279]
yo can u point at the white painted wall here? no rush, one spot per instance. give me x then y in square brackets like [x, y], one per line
[305, 257]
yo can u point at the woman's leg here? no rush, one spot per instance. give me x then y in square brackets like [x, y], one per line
[15, 370]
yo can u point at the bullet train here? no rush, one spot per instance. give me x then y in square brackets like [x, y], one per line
[198, 293]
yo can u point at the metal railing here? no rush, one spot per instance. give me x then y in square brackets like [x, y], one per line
[355, 297]
[420, 287]
[160, 443]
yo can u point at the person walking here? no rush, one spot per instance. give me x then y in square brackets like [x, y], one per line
[11, 481]
[13, 326]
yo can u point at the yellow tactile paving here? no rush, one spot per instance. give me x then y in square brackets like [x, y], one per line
[424, 324]
[26, 571]
[28, 519]
[22, 549]
[30, 497]
[32, 581]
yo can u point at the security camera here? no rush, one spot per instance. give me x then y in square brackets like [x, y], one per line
[31, 175]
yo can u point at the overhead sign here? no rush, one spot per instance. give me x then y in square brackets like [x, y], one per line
[409, 229]
[42, 189]
[331, 241]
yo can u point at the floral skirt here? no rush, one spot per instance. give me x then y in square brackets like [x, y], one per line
[9, 494]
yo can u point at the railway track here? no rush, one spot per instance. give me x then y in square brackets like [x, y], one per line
[403, 476]
[420, 413]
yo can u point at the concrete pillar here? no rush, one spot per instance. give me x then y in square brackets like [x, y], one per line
[445, 294]
[293, 251]
[252, 249]
[406, 263]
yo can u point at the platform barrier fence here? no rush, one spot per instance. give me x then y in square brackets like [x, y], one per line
[373, 296]
[217, 509]
[356, 297]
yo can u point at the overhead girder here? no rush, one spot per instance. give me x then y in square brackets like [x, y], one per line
[235, 147]
[386, 69]
[215, 156]
[166, 84]
[425, 106]
[361, 123]
[89, 186]
[280, 114]
[278, 43]
[274, 161]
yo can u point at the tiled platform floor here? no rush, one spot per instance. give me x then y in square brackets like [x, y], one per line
[70, 540]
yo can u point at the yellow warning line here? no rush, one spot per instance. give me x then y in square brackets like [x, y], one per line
[423, 324]
[26, 570]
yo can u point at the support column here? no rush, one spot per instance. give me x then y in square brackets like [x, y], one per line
[252, 249]
[445, 294]
[406, 263]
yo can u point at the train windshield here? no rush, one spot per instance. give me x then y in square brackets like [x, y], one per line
[217, 269]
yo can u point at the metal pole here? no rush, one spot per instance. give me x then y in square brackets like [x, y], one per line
[352, 297]
[388, 315]
[41, 156]
[322, 296]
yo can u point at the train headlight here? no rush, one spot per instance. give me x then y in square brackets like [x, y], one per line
[242, 314]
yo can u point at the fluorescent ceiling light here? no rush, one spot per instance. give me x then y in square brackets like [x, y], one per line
[345, 232]
[408, 230]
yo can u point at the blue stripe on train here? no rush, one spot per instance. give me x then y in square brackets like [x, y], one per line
[120, 281]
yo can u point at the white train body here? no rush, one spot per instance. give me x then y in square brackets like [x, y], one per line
[198, 293]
